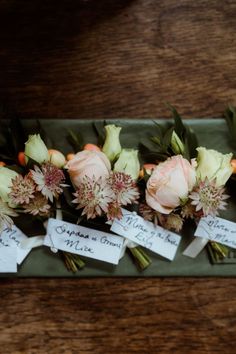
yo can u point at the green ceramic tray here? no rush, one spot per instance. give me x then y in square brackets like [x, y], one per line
[41, 262]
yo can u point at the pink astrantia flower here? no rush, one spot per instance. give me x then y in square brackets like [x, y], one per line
[49, 180]
[94, 196]
[22, 190]
[173, 222]
[37, 206]
[114, 211]
[124, 188]
[209, 198]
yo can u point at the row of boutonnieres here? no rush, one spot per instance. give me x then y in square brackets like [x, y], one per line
[103, 182]
[171, 189]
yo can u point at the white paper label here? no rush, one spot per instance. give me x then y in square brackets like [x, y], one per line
[83, 241]
[8, 257]
[218, 230]
[146, 234]
[13, 238]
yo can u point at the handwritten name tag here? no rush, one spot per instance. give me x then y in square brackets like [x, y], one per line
[13, 238]
[83, 241]
[218, 230]
[8, 257]
[146, 234]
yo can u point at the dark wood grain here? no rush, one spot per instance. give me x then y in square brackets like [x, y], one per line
[117, 58]
[118, 316]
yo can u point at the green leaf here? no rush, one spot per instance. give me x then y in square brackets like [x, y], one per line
[230, 117]
[100, 131]
[178, 125]
[167, 138]
[17, 136]
[75, 140]
[43, 134]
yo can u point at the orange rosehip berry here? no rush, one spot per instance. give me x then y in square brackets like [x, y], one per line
[70, 156]
[21, 158]
[91, 147]
[233, 164]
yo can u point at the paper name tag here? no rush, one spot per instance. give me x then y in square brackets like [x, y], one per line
[8, 257]
[83, 241]
[13, 238]
[218, 230]
[146, 234]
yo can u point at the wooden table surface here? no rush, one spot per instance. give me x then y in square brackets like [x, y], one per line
[103, 59]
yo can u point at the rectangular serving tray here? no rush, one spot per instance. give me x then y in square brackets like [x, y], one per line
[41, 262]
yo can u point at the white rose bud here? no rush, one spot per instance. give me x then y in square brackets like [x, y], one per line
[213, 165]
[112, 147]
[57, 158]
[36, 149]
[128, 163]
[6, 177]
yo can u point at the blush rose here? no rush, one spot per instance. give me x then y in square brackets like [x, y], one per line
[170, 182]
[93, 164]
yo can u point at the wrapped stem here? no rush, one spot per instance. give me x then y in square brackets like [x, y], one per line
[217, 251]
[73, 262]
[140, 257]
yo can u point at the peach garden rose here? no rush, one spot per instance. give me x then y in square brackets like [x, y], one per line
[170, 183]
[93, 164]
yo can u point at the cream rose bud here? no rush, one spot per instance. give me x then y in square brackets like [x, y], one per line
[36, 149]
[212, 164]
[169, 184]
[57, 158]
[176, 144]
[128, 163]
[93, 164]
[112, 147]
[6, 177]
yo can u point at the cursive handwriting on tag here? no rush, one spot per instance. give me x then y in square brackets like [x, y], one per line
[218, 230]
[83, 241]
[146, 234]
[13, 238]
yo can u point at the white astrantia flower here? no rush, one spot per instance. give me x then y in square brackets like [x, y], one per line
[49, 180]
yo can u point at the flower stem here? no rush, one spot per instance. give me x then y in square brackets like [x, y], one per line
[218, 251]
[73, 262]
[140, 257]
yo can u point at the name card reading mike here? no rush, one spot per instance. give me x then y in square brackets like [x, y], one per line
[146, 234]
[83, 241]
[218, 230]
[13, 237]
[8, 257]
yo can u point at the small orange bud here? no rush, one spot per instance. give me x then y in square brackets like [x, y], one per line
[141, 173]
[233, 164]
[21, 158]
[91, 147]
[70, 156]
[2, 163]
